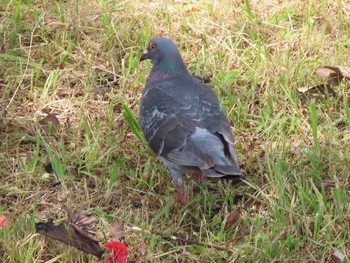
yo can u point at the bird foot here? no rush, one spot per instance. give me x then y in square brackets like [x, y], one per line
[181, 193]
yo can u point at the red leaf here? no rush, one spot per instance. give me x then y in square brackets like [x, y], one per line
[3, 221]
[120, 252]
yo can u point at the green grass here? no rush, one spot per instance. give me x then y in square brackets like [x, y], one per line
[80, 60]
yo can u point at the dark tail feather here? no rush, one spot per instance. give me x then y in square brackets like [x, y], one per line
[232, 170]
[223, 171]
[230, 177]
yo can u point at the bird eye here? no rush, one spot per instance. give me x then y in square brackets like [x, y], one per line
[152, 46]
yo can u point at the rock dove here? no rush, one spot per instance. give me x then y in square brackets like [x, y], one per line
[183, 121]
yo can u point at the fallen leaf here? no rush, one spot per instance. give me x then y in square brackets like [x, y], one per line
[295, 148]
[317, 92]
[3, 221]
[50, 121]
[120, 252]
[304, 89]
[325, 72]
[78, 218]
[117, 231]
[70, 234]
[333, 77]
[232, 218]
[345, 72]
[338, 256]
[193, 9]
[333, 74]
[91, 183]
[29, 17]
[325, 183]
[48, 168]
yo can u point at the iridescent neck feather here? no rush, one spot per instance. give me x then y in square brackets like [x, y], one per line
[167, 68]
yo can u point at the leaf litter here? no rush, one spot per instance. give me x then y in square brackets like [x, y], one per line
[117, 231]
[74, 231]
[50, 123]
[333, 75]
[70, 234]
[80, 219]
[232, 218]
[338, 256]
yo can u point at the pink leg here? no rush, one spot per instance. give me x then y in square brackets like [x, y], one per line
[198, 176]
[181, 192]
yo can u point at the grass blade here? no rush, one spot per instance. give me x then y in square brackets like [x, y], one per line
[314, 125]
[132, 122]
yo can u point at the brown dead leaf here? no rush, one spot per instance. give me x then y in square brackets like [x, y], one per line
[48, 168]
[78, 218]
[50, 121]
[295, 148]
[117, 231]
[345, 72]
[325, 183]
[334, 74]
[338, 256]
[70, 234]
[52, 24]
[232, 218]
[317, 92]
[29, 17]
[325, 72]
[192, 9]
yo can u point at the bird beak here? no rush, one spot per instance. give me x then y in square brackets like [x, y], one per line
[144, 55]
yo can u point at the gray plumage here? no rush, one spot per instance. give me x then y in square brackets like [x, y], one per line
[182, 119]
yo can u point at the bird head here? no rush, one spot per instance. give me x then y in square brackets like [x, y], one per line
[161, 49]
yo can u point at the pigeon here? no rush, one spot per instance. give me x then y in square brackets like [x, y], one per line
[182, 120]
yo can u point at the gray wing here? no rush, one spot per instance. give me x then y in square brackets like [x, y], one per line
[175, 126]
